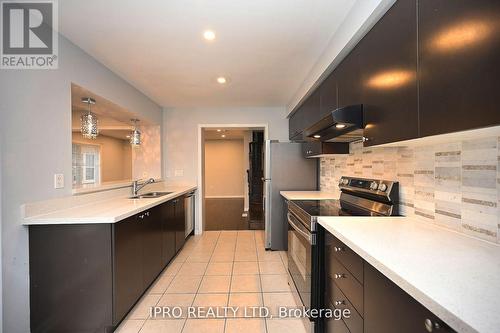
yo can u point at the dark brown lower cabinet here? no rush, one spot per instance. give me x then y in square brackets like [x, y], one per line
[389, 309]
[335, 326]
[344, 285]
[168, 234]
[85, 278]
[127, 255]
[376, 304]
[71, 284]
[152, 242]
[180, 223]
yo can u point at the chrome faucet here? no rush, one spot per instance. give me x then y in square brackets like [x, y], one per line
[136, 186]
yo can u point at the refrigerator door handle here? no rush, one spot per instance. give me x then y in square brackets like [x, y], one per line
[264, 204]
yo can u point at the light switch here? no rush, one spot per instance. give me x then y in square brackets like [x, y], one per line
[58, 180]
[179, 173]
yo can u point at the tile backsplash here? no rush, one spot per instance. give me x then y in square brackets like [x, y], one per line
[455, 185]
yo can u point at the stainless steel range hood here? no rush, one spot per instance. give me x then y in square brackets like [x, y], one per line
[341, 125]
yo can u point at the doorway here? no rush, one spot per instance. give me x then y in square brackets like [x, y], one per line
[231, 178]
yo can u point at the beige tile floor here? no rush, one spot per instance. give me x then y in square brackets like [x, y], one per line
[218, 269]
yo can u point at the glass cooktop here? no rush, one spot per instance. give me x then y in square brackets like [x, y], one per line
[321, 207]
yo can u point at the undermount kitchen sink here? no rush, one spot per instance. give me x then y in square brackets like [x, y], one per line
[150, 195]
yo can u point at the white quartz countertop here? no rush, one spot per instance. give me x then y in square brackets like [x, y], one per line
[455, 276]
[106, 211]
[307, 195]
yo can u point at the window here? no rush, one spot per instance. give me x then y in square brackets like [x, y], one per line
[89, 168]
[86, 167]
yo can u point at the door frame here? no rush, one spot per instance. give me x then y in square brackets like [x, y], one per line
[200, 217]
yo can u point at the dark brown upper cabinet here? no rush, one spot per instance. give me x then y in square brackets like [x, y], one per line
[312, 109]
[295, 124]
[306, 115]
[388, 61]
[328, 95]
[349, 80]
[318, 148]
[459, 65]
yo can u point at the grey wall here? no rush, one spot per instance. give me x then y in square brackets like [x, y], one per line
[180, 136]
[180, 133]
[35, 111]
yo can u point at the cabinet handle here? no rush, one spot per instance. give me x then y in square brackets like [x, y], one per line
[430, 326]
[339, 276]
[141, 216]
[339, 302]
[146, 213]
[338, 249]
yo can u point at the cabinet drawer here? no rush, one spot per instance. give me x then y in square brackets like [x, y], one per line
[347, 257]
[335, 326]
[351, 288]
[340, 301]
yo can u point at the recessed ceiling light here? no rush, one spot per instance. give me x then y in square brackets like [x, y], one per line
[219, 130]
[209, 35]
[317, 136]
[340, 125]
[223, 135]
[221, 80]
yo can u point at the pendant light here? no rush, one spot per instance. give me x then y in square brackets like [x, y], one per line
[89, 120]
[135, 136]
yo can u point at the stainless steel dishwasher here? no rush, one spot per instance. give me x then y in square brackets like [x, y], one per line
[189, 212]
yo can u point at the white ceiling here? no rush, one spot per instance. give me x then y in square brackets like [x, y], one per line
[265, 47]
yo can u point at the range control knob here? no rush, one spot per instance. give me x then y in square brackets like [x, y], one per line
[382, 187]
[373, 186]
[345, 181]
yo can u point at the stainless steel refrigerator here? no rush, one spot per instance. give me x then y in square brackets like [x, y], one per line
[285, 169]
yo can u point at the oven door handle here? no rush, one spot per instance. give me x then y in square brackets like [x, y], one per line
[296, 227]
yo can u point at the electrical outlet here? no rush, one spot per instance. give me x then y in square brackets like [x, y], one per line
[59, 180]
[179, 173]
[145, 174]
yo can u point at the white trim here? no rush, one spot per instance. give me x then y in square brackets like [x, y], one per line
[224, 197]
[198, 224]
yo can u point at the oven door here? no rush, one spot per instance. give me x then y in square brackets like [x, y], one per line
[300, 258]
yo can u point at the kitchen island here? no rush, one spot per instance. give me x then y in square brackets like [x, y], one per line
[90, 264]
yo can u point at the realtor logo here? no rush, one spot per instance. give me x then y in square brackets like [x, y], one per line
[29, 34]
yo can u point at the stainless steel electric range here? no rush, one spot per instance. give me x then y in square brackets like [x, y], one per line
[359, 197]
